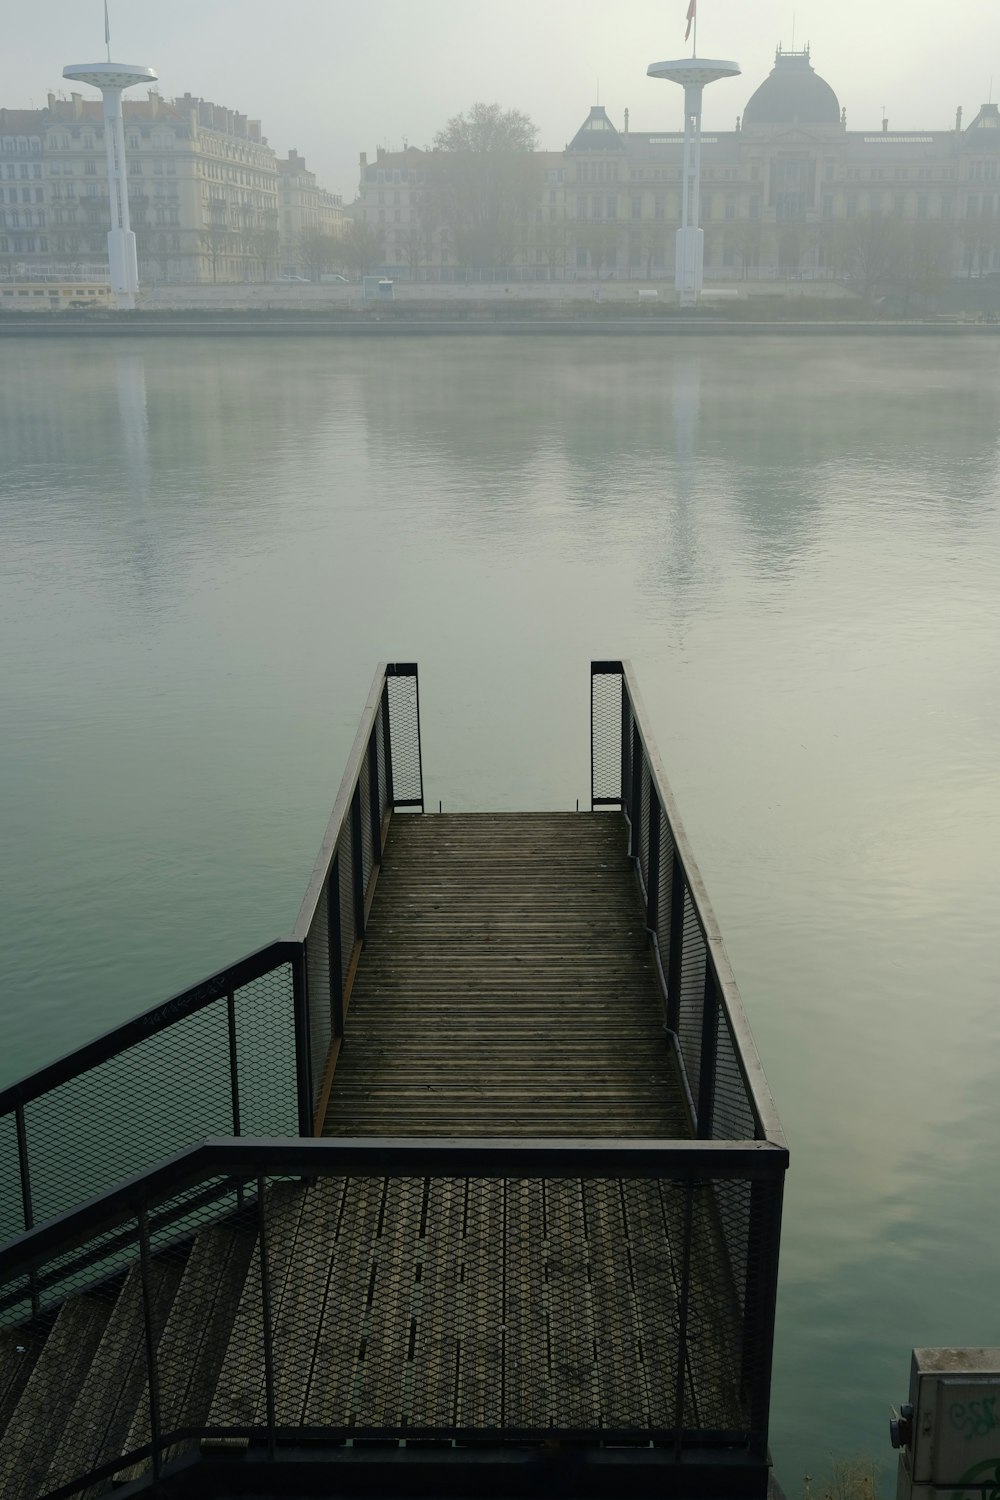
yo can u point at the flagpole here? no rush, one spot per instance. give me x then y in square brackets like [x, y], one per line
[694, 49]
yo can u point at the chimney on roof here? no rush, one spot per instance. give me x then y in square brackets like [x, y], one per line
[958, 120]
[885, 125]
[154, 103]
[77, 101]
[51, 99]
[364, 159]
[626, 122]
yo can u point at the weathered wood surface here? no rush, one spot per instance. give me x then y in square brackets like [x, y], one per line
[507, 987]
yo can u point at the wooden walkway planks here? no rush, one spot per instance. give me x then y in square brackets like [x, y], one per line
[506, 987]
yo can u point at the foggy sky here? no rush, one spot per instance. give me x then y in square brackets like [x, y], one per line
[336, 77]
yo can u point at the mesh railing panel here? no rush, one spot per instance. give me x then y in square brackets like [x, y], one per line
[130, 1111]
[733, 1116]
[383, 785]
[367, 847]
[160, 1095]
[627, 723]
[404, 727]
[346, 894]
[665, 888]
[406, 1307]
[715, 1319]
[692, 994]
[644, 810]
[606, 729]
[265, 1052]
[11, 1212]
[318, 982]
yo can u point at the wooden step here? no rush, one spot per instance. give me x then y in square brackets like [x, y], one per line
[240, 1389]
[195, 1338]
[38, 1420]
[97, 1422]
[19, 1351]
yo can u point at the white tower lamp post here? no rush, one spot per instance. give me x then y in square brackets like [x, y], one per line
[111, 78]
[693, 74]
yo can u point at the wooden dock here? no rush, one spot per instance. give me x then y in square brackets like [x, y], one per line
[473, 1183]
[507, 987]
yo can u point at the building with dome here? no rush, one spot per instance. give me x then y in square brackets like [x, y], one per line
[786, 194]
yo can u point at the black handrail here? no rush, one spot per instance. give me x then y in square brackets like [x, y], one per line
[637, 751]
[318, 991]
[185, 1003]
[381, 1156]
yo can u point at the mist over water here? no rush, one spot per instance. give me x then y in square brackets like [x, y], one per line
[206, 547]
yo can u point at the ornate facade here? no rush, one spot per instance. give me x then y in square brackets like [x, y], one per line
[779, 193]
[203, 190]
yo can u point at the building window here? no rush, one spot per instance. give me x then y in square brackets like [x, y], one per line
[637, 207]
[852, 205]
[922, 206]
[828, 205]
[730, 206]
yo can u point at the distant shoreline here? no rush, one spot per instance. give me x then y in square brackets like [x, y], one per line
[174, 325]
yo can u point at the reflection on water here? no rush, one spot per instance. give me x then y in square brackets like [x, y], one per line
[206, 547]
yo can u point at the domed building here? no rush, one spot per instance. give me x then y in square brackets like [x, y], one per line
[786, 195]
[793, 94]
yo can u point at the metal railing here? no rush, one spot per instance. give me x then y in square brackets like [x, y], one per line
[577, 1289]
[245, 1051]
[647, 1270]
[727, 1094]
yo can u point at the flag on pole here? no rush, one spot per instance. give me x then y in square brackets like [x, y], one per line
[692, 12]
[107, 25]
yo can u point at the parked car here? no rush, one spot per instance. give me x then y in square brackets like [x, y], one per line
[294, 278]
[334, 276]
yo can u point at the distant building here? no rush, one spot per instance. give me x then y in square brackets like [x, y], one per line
[205, 196]
[303, 206]
[777, 192]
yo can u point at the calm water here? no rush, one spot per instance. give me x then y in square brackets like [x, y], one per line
[204, 549]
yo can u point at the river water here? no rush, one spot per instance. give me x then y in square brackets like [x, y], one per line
[206, 546]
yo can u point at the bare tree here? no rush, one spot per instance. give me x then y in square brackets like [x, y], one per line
[483, 182]
[319, 251]
[216, 242]
[599, 239]
[867, 252]
[360, 247]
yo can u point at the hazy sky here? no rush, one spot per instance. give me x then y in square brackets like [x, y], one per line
[335, 77]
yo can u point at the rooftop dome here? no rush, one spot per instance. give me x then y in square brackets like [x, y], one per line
[793, 94]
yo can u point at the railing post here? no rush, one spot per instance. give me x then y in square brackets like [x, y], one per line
[709, 1053]
[303, 1061]
[682, 1315]
[357, 864]
[265, 1292]
[374, 817]
[635, 796]
[760, 1304]
[335, 944]
[234, 1076]
[653, 864]
[675, 945]
[27, 1211]
[592, 788]
[626, 745]
[22, 1161]
[387, 745]
[152, 1373]
[420, 750]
